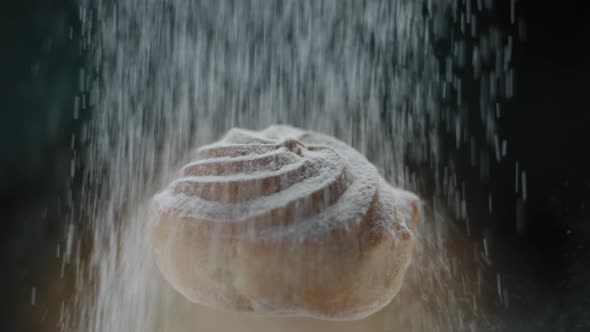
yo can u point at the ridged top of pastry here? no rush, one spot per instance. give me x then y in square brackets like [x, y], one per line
[281, 179]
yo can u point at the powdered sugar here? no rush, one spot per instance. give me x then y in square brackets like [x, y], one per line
[311, 182]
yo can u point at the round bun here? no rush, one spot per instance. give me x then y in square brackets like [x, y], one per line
[284, 222]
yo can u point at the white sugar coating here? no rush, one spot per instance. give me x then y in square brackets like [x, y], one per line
[315, 162]
[249, 163]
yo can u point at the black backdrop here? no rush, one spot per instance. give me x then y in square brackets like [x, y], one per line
[546, 123]
[37, 83]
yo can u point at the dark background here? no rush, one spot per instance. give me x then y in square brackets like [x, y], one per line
[546, 268]
[38, 80]
[547, 124]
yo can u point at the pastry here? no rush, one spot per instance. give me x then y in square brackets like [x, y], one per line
[284, 222]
